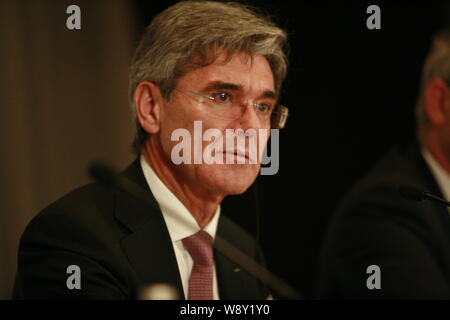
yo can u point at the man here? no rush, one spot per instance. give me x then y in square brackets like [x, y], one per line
[217, 64]
[382, 244]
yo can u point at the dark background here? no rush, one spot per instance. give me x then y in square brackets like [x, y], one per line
[351, 92]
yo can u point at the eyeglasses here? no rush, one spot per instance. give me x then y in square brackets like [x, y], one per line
[225, 105]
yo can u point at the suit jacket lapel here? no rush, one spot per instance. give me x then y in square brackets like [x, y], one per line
[148, 246]
[441, 220]
[430, 184]
[235, 283]
[229, 276]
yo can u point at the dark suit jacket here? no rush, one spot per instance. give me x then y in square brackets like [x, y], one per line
[375, 225]
[120, 245]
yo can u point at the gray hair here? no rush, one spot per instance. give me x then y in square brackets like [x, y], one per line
[437, 65]
[191, 34]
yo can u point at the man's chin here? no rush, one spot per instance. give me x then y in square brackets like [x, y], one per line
[234, 181]
[228, 189]
[237, 191]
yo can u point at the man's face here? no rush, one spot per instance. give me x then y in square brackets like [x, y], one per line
[248, 81]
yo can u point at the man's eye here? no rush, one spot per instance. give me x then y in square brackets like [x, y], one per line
[262, 107]
[222, 97]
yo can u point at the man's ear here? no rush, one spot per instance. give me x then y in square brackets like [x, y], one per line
[437, 101]
[147, 101]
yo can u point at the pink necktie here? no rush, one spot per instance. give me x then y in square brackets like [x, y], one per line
[199, 246]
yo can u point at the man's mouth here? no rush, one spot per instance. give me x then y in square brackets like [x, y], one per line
[236, 154]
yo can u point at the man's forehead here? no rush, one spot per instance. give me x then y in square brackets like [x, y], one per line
[246, 72]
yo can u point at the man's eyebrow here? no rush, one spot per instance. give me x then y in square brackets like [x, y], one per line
[220, 85]
[269, 94]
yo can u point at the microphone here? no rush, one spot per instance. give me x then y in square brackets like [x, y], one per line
[158, 291]
[106, 175]
[416, 194]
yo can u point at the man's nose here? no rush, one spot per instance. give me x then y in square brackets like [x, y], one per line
[249, 118]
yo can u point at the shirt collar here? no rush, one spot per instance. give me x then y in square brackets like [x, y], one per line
[179, 220]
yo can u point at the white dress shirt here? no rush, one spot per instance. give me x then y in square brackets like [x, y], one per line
[180, 223]
[440, 175]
